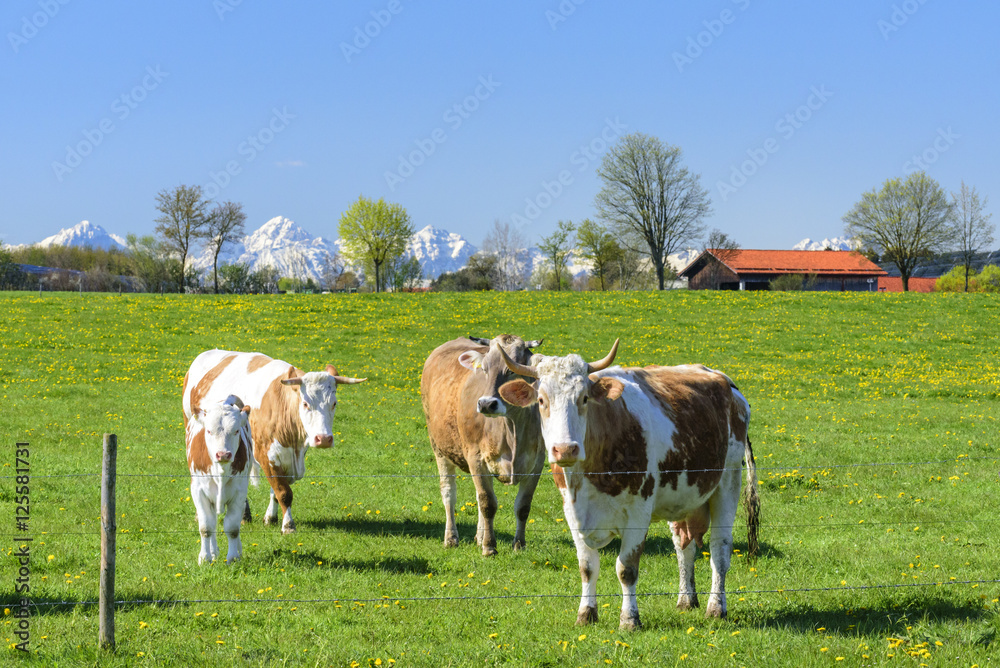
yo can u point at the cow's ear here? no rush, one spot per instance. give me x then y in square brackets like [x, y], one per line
[606, 389]
[245, 409]
[332, 370]
[471, 360]
[533, 344]
[518, 392]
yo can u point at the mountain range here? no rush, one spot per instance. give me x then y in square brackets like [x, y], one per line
[288, 247]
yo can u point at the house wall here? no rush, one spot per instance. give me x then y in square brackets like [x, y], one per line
[706, 277]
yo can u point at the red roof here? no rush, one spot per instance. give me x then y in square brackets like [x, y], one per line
[777, 262]
[895, 284]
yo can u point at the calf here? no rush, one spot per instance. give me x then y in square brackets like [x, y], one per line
[218, 451]
[471, 428]
[292, 412]
[632, 445]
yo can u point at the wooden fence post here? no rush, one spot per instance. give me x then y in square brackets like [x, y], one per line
[108, 533]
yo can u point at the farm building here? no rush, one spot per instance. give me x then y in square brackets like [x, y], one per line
[895, 284]
[755, 269]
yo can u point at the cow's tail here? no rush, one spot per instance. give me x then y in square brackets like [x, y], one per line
[751, 497]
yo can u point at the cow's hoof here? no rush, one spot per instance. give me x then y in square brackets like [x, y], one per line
[586, 616]
[451, 541]
[288, 529]
[687, 602]
[518, 545]
[630, 623]
[268, 520]
[715, 610]
[489, 550]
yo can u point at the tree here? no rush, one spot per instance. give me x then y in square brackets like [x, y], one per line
[510, 248]
[723, 248]
[223, 226]
[906, 221]
[478, 274]
[183, 220]
[150, 260]
[649, 193]
[599, 246]
[973, 230]
[374, 233]
[11, 274]
[331, 269]
[405, 274]
[556, 248]
[235, 278]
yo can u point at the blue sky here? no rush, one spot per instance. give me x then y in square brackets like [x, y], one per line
[465, 113]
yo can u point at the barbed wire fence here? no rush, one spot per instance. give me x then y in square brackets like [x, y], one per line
[109, 532]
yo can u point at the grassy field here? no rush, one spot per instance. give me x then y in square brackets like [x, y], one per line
[875, 426]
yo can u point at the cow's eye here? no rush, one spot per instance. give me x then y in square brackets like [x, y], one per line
[585, 398]
[305, 405]
[541, 401]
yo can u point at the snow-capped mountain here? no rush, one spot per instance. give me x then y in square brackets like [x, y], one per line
[439, 251]
[836, 243]
[278, 243]
[84, 233]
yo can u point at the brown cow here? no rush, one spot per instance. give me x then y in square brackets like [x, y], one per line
[472, 429]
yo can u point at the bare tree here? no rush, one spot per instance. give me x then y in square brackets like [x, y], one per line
[556, 248]
[511, 250]
[723, 248]
[973, 229]
[647, 191]
[906, 222]
[183, 220]
[223, 226]
[331, 269]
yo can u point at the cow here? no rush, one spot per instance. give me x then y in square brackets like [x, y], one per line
[219, 457]
[631, 445]
[292, 412]
[471, 428]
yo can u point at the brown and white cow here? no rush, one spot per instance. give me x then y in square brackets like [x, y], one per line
[219, 450]
[632, 445]
[292, 412]
[472, 429]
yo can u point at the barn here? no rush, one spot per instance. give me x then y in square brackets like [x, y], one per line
[746, 269]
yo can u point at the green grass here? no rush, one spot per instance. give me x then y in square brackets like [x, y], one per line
[874, 425]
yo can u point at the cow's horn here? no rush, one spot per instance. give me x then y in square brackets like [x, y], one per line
[344, 380]
[604, 363]
[519, 369]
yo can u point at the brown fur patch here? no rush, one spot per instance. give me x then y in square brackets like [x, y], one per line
[241, 457]
[258, 361]
[205, 384]
[699, 403]
[615, 449]
[648, 486]
[558, 476]
[198, 457]
[277, 419]
[630, 573]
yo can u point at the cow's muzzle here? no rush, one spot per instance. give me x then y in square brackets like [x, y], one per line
[490, 406]
[322, 441]
[565, 454]
[223, 456]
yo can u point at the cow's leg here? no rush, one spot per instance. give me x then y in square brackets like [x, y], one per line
[522, 506]
[590, 567]
[487, 508]
[723, 506]
[231, 523]
[283, 493]
[449, 497]
[206, 524]
[272, 513]
[687, 597]
[247, 517]
[627, 567]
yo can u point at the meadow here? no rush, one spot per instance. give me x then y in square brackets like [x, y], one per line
[875, 429]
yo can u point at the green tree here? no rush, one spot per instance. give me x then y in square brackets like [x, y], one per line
[478, 274]
[235, 278]
[556, 248]
[11, 275]
[224, 226]
[648, 194]
[905, 221]
[374, 234]
[183, 220]
[150, 263]
[596, 244]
